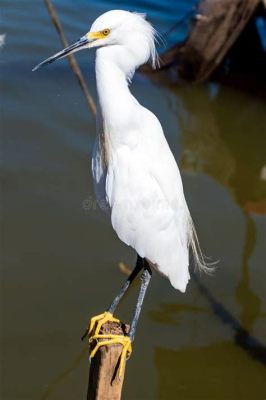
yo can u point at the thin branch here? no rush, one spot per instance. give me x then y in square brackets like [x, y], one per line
[71, 57]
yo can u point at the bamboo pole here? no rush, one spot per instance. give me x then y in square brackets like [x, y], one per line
[71, 58]
[104, 382]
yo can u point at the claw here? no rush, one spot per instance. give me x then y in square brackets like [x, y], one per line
[114, 339]
[97, 322]
[93, 332]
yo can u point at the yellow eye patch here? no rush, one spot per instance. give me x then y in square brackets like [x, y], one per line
[98, 35]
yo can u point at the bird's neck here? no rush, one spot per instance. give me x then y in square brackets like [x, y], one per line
[114, 97]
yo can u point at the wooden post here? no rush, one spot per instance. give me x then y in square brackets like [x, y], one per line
[216, 26]
[104, 383]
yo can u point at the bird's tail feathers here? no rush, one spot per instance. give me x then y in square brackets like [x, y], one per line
[199, 259]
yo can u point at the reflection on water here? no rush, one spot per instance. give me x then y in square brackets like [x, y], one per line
[226, 146]
[60, 257]
[222, 143]
[203, 378]
[235, 162]
[247, 299]
[52, 386]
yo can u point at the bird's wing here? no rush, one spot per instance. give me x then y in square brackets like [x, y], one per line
[99, 166]
[148, 207]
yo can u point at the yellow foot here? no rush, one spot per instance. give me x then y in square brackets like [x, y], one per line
[114, 339]
[105, 340]
[97, 322]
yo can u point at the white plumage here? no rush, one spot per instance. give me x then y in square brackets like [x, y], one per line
[134, 171]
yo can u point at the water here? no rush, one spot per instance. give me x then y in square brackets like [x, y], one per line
[60, 255]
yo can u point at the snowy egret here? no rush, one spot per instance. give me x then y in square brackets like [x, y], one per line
[133, 168]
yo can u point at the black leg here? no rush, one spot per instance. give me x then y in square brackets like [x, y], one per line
[134, 273]
[145, 280]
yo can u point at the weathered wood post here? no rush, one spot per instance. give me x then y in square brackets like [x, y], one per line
[104, 380]
[214, 29]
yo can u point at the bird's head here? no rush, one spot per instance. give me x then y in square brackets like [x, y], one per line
[125, 30]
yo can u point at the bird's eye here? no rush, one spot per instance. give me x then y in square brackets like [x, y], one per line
[106, 32]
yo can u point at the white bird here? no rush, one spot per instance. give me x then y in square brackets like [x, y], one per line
[134, 170]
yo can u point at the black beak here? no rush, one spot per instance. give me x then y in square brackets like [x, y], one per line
[79, 45]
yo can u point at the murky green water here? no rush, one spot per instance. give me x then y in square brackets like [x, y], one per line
[60, 255]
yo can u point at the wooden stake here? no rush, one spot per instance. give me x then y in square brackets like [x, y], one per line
[104, 383]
